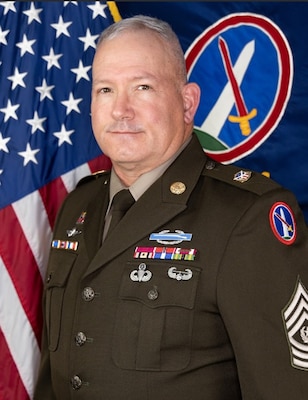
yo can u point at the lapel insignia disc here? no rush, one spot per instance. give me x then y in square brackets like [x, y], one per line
[295, 318]
[177, 188]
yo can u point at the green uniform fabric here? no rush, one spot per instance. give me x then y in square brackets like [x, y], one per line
[217, 335]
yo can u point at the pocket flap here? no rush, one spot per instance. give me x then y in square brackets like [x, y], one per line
[160, 284]
[59, 267]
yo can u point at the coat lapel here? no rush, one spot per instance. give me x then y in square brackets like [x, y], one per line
[96, 211]
[156, 207]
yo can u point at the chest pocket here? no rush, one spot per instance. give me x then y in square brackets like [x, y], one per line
[155, 314]
[59, 268]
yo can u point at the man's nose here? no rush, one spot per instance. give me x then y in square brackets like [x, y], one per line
[122, 107]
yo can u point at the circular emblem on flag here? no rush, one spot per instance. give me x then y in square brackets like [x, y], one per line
[243, 93]
[283, 223]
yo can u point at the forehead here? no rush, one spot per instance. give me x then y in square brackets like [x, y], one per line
[128, 49]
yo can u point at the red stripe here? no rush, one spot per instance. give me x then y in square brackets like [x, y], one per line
[11, 386]
[22, 268]
[100, 163]
[52, 196]
[239, 101]
[54, 193]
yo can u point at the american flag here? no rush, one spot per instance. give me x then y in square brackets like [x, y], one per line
[46, 146]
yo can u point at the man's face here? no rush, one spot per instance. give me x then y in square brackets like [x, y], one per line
[138, 103]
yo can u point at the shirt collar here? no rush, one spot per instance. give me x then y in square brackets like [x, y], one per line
[144, 181]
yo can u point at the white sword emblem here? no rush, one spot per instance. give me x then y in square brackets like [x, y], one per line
[223, 106]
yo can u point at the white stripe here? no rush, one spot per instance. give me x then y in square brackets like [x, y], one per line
[32, 216]
[296, 345]
[71, 178]
[18, 332]
[299, 292]
[298, 317]
[299, 354]
[223, 106]
[299, 363]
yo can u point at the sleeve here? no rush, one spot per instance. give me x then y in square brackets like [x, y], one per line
[263, 300]
[43, 389]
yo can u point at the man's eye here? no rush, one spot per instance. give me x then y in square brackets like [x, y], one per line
[105, 90]
[143, 87]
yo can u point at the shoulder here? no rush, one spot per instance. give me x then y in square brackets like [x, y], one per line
[87, 189]
[241, 178]
[93, 177]
[88, 186]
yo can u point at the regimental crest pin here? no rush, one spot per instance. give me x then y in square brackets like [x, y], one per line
[81, 218]
[295, 318]
[242, 176]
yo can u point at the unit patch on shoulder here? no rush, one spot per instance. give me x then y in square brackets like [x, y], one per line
[295, 318]
[283, 223]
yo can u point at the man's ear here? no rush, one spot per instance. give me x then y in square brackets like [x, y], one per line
[191, 98]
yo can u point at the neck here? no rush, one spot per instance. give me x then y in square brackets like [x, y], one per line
[128, 173]
[128, 176]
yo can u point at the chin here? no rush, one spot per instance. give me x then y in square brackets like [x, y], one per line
[125, 158]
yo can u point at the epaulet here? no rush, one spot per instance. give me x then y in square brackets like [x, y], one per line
[242, 178]
[94, 176]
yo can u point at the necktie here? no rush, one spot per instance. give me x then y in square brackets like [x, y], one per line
[121, 202]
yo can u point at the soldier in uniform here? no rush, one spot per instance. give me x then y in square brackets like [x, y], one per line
[200, 290]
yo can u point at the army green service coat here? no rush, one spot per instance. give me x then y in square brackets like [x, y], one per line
[198, 294]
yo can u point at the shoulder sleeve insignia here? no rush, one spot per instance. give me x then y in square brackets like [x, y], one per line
[283, 223]
[295, 318]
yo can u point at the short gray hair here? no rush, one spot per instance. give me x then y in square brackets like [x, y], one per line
[161, 28]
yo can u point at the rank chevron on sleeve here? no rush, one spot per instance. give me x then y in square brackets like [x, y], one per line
[295, 317]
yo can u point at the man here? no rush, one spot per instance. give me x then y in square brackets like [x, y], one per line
[199, 292]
